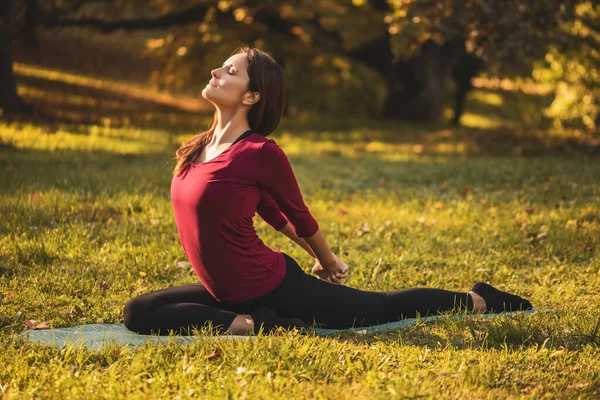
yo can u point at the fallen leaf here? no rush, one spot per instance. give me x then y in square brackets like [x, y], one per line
[364, 228]
[32, 324]
[215, 354]
[579, 385]
[541, 235]
[36, 196]
[72, 313]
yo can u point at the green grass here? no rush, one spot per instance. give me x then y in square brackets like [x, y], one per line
[87, 224]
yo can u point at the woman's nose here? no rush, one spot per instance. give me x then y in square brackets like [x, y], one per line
[214, 74]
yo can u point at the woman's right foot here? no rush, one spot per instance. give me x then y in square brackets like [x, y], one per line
[270, 321]
[498, 301]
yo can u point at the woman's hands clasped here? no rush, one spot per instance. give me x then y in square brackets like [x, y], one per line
[332, 272]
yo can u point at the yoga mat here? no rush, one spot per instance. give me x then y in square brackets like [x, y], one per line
[94, 336]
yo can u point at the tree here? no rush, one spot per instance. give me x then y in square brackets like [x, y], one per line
[413, 45]
[9, 99]
[19, 20]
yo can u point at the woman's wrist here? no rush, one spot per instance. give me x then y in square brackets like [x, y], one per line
[319, 246]
[330, 259]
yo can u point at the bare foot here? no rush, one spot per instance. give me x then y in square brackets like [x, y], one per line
[479, 305]
[241, 325]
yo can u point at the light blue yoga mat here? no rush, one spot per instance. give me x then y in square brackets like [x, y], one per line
[94, 336]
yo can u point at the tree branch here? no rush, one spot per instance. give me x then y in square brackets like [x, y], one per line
[192, 15]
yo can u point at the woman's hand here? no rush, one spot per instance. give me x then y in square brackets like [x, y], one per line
[320, 272]
[332, 272]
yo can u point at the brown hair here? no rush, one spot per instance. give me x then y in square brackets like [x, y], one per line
[267, 78]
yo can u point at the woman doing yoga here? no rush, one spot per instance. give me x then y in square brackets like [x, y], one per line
[226, 175]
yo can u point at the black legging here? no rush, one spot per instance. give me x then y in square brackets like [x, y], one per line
[299, 295]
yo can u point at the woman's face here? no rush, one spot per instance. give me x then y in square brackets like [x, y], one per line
[228, 83]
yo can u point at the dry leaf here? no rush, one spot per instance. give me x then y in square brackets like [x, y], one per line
[215, 354]
[364, 228]
[72, 313]
[32, 324]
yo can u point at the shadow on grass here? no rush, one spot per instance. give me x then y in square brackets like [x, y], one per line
[545, 330]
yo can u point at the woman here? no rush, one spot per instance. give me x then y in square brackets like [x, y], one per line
[221, 179]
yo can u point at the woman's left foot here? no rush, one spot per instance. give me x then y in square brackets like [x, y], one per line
[498, 301]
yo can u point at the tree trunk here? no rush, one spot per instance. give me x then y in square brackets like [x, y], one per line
[30, 39]
[9, 99]
[463, 72]
[417, 87]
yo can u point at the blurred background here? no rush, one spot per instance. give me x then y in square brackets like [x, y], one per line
[477, 63]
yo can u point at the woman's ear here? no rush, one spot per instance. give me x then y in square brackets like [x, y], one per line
[251, 98]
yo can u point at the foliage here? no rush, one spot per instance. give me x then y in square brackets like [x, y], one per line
[318, 80]
[574, 69]
[555, 41]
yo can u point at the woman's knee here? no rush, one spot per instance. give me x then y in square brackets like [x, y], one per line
[132, 314]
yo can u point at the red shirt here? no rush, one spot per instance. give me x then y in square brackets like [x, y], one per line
[214, 204]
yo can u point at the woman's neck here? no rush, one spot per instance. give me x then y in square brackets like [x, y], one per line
[230, 125]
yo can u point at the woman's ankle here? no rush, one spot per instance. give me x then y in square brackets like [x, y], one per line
[479, 305]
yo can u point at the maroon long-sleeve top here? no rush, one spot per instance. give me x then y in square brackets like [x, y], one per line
[214, 204]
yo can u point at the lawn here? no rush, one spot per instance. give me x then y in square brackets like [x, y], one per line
[87, 224]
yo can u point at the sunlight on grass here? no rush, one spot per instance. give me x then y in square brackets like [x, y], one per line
[126, 89]
[481, 121]
[93, 138]
[72, 99]
[490, 98]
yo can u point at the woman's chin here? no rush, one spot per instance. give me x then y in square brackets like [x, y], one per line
[206, 95]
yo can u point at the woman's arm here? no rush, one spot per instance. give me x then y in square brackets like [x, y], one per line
[271, 214]
[320, 248]
[289, 232]
[317, 269]
[274, 174]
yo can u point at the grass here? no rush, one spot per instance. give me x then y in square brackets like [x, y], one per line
[87, 224]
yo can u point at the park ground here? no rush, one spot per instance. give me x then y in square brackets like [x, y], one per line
[87, 224]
